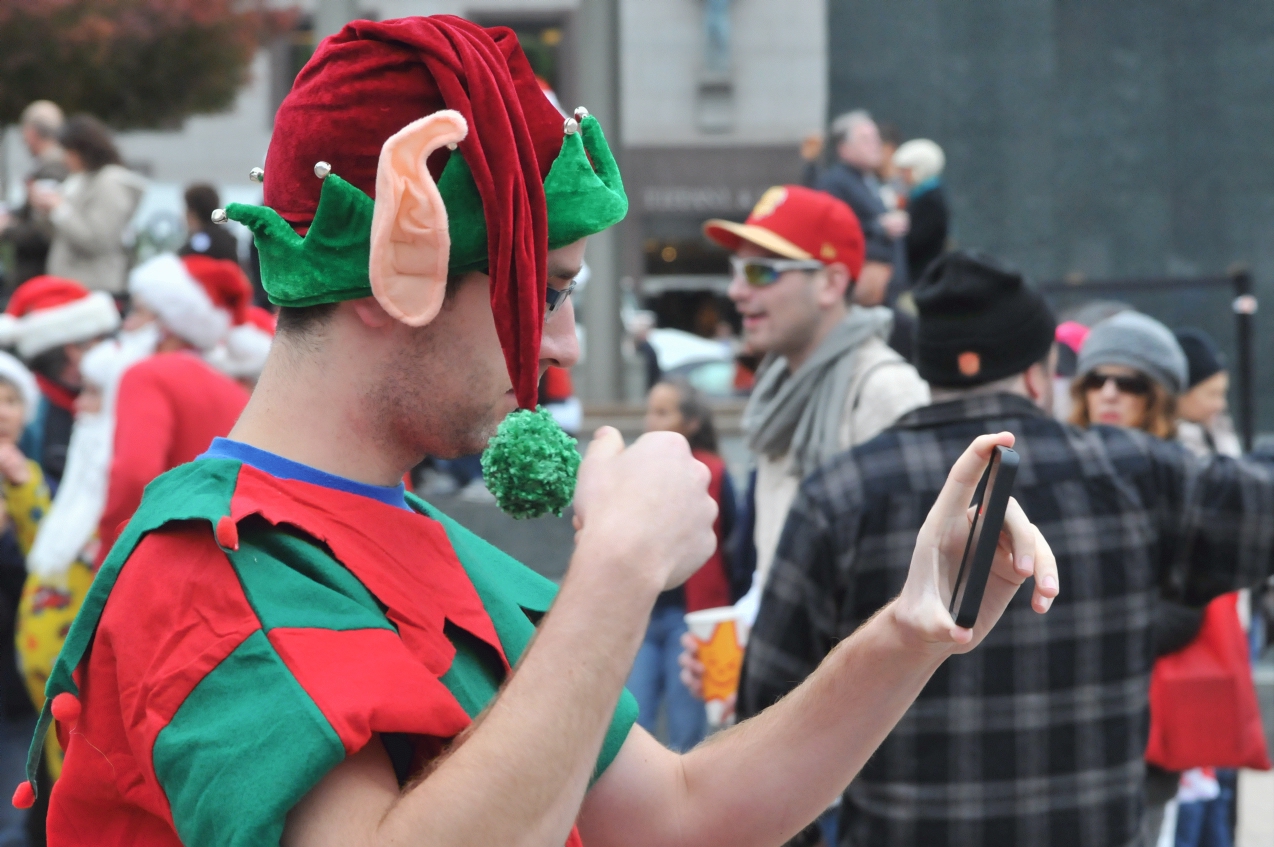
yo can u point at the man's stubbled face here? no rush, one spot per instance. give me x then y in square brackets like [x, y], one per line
[447, 386]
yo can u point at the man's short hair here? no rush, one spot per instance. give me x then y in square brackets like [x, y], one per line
[44, 117]
[843, 126]
[201, 200]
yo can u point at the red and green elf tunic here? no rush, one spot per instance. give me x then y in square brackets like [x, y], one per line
[249, 631]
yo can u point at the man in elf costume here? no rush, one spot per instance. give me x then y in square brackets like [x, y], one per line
[283, 646]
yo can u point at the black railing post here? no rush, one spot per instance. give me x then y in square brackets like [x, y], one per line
[1245, 335]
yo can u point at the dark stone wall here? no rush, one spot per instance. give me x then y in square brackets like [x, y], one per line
[1094, 139]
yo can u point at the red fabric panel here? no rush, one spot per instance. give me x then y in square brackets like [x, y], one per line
[176, 612]
[403, 558]
[709, 586]
[170, 407]
[372, 79]
[365, 681]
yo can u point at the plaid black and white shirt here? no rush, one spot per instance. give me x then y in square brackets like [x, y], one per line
[1037, 736]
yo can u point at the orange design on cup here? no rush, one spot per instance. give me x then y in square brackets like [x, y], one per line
[722, 634]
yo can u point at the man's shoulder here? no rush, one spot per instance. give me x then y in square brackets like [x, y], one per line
[180, 371]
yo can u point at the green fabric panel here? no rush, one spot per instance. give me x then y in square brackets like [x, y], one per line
[330, 263]
[508, 590]
[293, 581]
[470, 679]
[246, 745]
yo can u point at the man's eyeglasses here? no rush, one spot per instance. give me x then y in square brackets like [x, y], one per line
[760, 272]
[555, 298]
[1135, 384]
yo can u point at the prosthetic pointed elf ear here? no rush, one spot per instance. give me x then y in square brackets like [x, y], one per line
[410, 244]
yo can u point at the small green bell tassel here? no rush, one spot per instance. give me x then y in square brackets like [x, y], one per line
[530, 465]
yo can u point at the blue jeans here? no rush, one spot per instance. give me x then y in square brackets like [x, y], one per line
[656, 677]
[1206, 823]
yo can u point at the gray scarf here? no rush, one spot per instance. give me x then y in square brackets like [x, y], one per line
[801, 412]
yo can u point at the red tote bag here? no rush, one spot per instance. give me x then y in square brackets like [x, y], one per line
[1203, 707]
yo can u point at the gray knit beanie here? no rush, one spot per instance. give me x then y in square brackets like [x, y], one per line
[1136, 341]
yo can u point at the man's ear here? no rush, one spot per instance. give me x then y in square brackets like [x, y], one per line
[410, 243]
[838, 283]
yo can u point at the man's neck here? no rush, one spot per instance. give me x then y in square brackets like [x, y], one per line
[301, 410]
[826, 323]
[1010, 385]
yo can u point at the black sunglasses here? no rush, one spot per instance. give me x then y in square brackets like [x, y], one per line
[1135, 384]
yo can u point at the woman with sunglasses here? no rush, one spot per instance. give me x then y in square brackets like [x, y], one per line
[1131, 370]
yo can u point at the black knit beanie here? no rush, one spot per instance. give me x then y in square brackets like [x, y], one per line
[1203, 357]
[979, 321]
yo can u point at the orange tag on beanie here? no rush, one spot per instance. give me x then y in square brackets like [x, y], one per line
[969, 363]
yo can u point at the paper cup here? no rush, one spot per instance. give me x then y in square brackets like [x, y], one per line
[722, 634]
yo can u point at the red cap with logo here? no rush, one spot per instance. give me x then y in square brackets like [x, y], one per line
[797, 223]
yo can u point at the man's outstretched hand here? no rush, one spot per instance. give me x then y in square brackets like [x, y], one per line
[921, 609]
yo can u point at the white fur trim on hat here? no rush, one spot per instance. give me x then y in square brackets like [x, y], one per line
[79, 320]
[244, 352]
[164, 286]
[11, 370]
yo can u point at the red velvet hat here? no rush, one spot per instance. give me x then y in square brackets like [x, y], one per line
[372, 79]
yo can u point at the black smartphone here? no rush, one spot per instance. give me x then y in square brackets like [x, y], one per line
[991, 499]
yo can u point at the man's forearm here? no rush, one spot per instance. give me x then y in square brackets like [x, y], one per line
[531, 754]
[761, 782]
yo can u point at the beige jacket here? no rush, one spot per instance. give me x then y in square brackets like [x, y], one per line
[89, 224]
[883, 388]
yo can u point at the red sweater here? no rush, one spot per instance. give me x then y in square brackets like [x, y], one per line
[169, 408]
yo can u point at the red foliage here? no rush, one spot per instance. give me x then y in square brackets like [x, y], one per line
[133, 63]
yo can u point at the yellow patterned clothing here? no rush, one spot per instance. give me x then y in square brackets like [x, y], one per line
[44, 616]
[26, 505]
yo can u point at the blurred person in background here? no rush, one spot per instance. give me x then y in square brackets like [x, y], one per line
[92, 209]
[852, 179]
[25, 502]
[674, 406]
[173, 403]
[1039, 738]
[1070, 337]
[893, 191]
[829, 380]
[242, 355]
[204, 237]
[1203, 424]
[51, 323]
[29, 229]
[1131, 369]
[919, 164]
[59, 566]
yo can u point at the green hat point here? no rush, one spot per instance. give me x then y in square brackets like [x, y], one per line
[531, 465]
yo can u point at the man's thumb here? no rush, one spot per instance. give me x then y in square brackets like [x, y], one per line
[606, 442]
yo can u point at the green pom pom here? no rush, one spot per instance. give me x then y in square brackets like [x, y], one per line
[530, 465]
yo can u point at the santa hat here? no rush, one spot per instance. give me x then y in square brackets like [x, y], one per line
[48, 311]
[522, 182]
[196, 298]
[246, 346]
[14, 372]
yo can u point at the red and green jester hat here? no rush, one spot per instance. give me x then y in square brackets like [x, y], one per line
[414, 149]
[249, 630]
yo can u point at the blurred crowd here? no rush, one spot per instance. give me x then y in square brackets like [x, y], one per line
[874, 352]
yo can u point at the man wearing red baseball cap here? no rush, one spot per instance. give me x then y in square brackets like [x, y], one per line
[829, 380]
